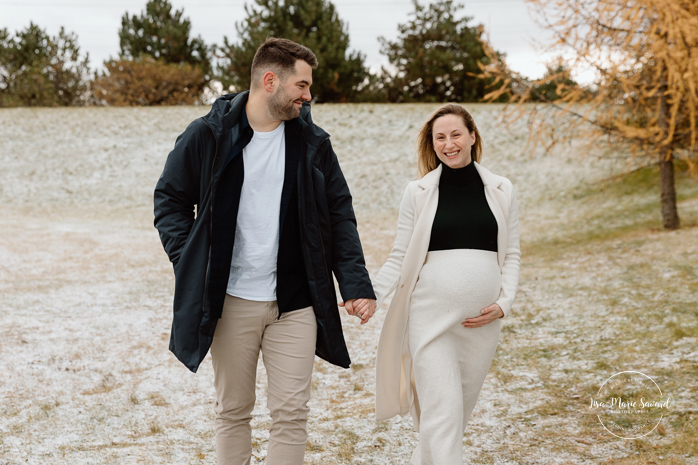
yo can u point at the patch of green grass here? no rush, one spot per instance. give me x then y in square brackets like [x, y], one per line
[312, 446]
[687, 271]
[347, 447]
[679, 331]
[643, 181]
[598, 229]
[612, 209]
[108, 384]
[154, 428]
[639, 182]
[47, 407]
[157, 399]
[549, 408]
[96, 447]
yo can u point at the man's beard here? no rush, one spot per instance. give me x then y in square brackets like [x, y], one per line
[281, 107]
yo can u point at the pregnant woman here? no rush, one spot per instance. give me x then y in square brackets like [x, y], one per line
[455, 270]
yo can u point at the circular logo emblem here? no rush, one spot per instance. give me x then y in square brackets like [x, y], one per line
[630, 405]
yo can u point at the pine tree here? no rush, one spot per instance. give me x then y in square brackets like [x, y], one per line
[557, 75]
[163, 34]
[39, 70]
[436, 56]
[313, 23]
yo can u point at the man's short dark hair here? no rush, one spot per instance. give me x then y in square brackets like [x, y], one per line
[280, 56]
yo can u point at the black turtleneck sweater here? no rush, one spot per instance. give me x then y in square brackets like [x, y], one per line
[463, 218]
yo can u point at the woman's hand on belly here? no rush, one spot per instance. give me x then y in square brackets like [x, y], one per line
[489, 314]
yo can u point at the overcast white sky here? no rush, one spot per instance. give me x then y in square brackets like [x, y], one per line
[96, 22]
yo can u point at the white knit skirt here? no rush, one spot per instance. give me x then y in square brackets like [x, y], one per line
[450, 361]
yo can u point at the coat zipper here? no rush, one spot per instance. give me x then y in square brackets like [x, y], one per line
[210, 219]
[317, 218]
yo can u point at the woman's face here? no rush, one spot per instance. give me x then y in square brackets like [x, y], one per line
[452, 141]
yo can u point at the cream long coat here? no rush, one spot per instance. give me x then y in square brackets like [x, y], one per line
[395, 390]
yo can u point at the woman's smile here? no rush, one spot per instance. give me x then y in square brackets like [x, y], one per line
[452, 141]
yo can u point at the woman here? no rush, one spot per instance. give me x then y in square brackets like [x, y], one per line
[455, 270]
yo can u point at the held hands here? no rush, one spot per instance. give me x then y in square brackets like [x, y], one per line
[363, 308]
[489, 314]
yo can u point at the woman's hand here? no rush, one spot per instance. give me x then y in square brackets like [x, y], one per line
[489, 314]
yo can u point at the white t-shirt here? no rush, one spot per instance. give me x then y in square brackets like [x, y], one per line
[256, 248]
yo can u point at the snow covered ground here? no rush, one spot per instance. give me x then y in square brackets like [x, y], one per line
[86, 292]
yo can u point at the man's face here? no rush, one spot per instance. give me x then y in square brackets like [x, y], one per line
[286, 102]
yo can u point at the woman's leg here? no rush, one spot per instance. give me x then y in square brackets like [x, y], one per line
[438, 381]
[477, 348]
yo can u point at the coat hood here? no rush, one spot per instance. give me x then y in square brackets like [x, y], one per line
[225, 114]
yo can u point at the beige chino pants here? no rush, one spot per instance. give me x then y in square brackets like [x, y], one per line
[288, 351]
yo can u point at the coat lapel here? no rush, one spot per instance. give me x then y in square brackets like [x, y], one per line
[428, 195]
[497, 200]
[426, 203]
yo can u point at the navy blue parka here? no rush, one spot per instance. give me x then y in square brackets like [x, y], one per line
[196, 203]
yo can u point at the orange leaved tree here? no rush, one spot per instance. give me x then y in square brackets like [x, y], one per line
[644, 56]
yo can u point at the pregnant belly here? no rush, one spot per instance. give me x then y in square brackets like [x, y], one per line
[460, 281]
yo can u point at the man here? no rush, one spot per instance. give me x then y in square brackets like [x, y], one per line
[253, 266]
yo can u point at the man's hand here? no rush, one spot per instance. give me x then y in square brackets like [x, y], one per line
[348, 306]
[489, 314]
[364, 309]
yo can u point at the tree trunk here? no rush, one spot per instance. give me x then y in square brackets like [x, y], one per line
[670, 215]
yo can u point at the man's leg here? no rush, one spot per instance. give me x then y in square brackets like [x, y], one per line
[288, 348]
[234, 352]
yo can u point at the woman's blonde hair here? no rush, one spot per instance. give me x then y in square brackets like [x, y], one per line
[426, 156]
